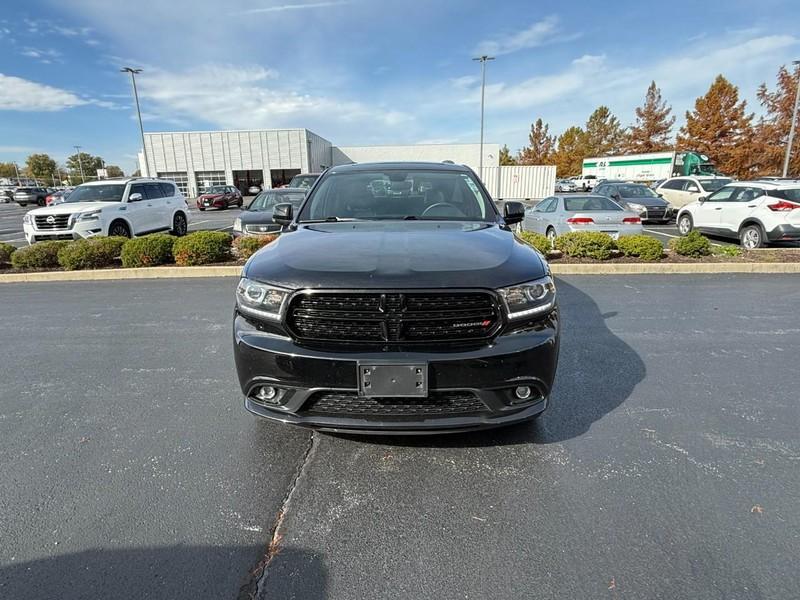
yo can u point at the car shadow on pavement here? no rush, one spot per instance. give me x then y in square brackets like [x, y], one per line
[172, 572]
[597, 371]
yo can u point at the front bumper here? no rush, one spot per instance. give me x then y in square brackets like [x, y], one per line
[491, 373]
[77, 231]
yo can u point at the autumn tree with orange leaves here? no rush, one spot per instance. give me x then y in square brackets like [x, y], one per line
[773, 128]
[652, 131]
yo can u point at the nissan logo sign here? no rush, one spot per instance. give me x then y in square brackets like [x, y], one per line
[51, 219]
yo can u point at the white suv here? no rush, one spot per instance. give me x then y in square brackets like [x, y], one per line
[755, 212]
[125, 207]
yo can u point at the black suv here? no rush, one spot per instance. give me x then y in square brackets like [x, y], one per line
[397, 300]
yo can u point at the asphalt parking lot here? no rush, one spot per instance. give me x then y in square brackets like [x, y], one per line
[665, 468]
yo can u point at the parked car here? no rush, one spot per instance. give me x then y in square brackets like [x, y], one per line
[304, 180]
[557, 215]
[680, 191]
[638, 198]
[221, 197]
[57, 197]
[30, 195]
[755, 212]
[412, 312]
[254, 189]
[586, 183]
[6, 193]
[125, 207]
[257, 218]
[566, 185]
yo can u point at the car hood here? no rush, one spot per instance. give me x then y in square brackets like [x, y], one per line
[375, 255]
[72, 207]
[210, 196]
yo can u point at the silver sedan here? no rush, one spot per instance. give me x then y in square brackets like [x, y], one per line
[557, 215]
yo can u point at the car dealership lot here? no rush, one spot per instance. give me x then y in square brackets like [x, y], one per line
[666, 467]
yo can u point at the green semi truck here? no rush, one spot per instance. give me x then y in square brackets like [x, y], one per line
[647, 167]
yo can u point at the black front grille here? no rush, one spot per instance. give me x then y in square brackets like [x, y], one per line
[350, 404]
[657, 212]
[44, 222]
[400, 317]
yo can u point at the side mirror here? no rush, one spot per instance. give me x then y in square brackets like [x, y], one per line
[513, 212]
[282, 214]
[702, 199]
[135, 197]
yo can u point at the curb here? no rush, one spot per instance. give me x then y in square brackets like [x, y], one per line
[236, 270]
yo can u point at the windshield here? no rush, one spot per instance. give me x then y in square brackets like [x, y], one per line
[303, 181]
[636, 191]
[97, 193]
[588, 203]
[268, 200]
[398, 194]
[216, 189]
[712, 185]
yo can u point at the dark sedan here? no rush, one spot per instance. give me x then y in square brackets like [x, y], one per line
[257, 219]
[638, 198]
[220, 196]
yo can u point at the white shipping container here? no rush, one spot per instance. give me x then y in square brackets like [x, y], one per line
[515, 182]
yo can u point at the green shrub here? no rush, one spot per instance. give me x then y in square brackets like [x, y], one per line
[6, 250]
[537, 240]
[94, 253]
[42, 255]
[247, 245]
[147, 251]
[586, 244]
[202, 248]
[731, 251]
[693, 244]
[643, 246]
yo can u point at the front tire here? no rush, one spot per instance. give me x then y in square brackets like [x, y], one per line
[685, 224]
[200, 209]
[551, 235]
[119, 229]
[751, 237]
[179, 225]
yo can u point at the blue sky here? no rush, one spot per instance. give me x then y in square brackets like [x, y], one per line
[363, 71]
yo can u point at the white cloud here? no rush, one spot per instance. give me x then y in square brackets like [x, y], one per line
[45, 56]
[285, 7]
[15, 149]
[23, 95]
[540, 33]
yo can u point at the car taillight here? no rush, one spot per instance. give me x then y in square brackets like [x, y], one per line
[580, 220]
[632, 220]
[783, 206]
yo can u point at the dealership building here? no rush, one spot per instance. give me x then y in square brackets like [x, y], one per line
[196, 160]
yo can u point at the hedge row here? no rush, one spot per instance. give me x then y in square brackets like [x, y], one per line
[600, 246]
[198, 248]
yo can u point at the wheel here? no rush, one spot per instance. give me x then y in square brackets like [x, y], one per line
[751, 237]
[179, 226]
[551, 235]
[23, 204]
[685, 224]
[119, 228]
[41, 202]
[201, 209]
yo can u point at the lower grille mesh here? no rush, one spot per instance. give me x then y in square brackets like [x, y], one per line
[350, 404]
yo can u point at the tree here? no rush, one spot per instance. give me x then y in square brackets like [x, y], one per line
[505, 157]
[719, 127]
[114, 171]
[571, 150]
[773, 128]
[603, 135]
[541, 145]
[40, 166]
[7, 170]
[89, 163]
[651, 132]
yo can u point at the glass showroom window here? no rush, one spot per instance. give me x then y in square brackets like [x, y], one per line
[207, 179]
[181, 180]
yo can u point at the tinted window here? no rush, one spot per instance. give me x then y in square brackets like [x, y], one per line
[722, 195]
[553, 206]
[544, 205]
[788, 194]
[712, 185]
[97, 193]
[746, 194]
[138, 188]
[168, 190]
[635, 191]
[268, 200]
[589, 203]
[673, 184]
[691, 186]
[153, 191]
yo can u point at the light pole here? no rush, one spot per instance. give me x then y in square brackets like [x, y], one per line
[794, 120]
[16, 170]
[482, 59]
[80, 162]
[133, 73]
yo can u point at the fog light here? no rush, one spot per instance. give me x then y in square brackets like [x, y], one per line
[523, 392]
[266, 395]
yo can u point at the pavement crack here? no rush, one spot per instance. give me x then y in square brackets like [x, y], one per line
[258, 573]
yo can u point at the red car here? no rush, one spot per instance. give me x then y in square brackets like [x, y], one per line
[220, 196]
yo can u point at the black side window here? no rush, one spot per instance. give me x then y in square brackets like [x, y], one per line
[675, 184]
[138, 188]
[153, 191]
[691, 186]
[167, 190]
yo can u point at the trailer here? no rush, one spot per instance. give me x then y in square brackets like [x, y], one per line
[527, 183]
[649, 167]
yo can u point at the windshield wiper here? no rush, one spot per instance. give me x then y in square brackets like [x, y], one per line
[331, 219]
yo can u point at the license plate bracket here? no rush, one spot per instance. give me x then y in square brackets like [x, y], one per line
[392, 380]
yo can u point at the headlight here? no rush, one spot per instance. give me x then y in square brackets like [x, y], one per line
[89, 216]
[635, 206]
[26, 218]
[237, 224]
[529, 299]
[260, 299]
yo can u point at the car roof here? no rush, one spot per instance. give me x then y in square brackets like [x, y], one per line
[767, 185]
[398, 165]
[124, 180]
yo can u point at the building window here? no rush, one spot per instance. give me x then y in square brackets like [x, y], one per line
[207, 179]
[180, 178]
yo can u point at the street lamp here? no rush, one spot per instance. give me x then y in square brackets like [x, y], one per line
[482, 59]
[133, 73]
[80, 162]
[794, 120]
